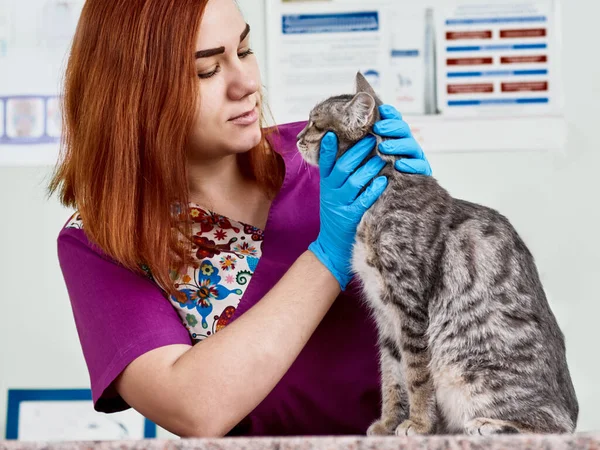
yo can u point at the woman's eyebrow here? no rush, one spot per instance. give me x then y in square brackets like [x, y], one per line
[245, 33]
[219, 50]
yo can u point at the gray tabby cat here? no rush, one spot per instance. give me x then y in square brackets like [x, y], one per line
[468, 342]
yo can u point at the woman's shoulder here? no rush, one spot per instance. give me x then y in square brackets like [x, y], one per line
[73, 228]
[72, 239]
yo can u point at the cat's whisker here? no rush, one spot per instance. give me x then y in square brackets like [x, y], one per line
[303, 164]
[301, 161]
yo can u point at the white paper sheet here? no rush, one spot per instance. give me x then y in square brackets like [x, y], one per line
[498, 56]
[76, 420]
[315, 50]
[34, 43]
[411, 59]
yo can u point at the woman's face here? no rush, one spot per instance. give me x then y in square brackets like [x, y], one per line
[227, 118]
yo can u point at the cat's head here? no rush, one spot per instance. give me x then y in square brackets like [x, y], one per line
[350, 117]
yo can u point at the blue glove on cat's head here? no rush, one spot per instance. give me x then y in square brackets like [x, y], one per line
[402, 143]
[343, 201]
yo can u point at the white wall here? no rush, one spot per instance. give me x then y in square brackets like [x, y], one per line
[550, 198]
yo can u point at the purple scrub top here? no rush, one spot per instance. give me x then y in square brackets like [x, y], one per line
[333, 387]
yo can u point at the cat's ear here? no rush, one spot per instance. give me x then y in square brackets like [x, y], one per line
[362, 85]
[360, 110]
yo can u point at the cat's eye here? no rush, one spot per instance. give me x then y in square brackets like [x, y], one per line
[312, 124]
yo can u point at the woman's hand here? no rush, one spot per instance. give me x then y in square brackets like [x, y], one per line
[341, 209]
[402, 143]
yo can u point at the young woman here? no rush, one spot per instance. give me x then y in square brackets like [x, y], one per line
[207, 268]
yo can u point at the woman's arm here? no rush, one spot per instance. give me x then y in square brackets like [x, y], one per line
[207, 389]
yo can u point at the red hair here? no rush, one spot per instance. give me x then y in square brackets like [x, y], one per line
[130, 94]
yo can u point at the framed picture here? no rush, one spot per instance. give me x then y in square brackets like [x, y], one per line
[69, 415]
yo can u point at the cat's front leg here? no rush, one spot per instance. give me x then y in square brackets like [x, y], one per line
[394, 398]
[394, 407]
[413, 321]
[421, 394]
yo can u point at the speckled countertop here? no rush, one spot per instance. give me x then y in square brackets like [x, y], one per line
[585, 441]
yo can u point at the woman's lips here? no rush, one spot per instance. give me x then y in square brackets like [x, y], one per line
[246, 119]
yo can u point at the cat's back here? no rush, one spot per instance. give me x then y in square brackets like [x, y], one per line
[485, 253]
[491, 322]
[468, 217]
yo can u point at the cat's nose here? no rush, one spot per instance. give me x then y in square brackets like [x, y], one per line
[302, 133]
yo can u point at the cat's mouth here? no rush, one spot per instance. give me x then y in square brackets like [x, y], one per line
[309, 154]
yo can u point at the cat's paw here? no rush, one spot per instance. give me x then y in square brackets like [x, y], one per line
[486, 427]
[410, 428]
[380, 428]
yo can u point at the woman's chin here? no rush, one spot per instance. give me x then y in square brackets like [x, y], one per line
[246, 140]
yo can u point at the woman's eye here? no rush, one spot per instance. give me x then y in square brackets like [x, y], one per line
[243, 54]
[209, 74]
[217, 69]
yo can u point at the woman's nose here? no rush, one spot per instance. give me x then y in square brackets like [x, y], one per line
[243, 83]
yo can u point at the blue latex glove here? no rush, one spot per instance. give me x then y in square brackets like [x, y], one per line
[340, 208]
[392, 126]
